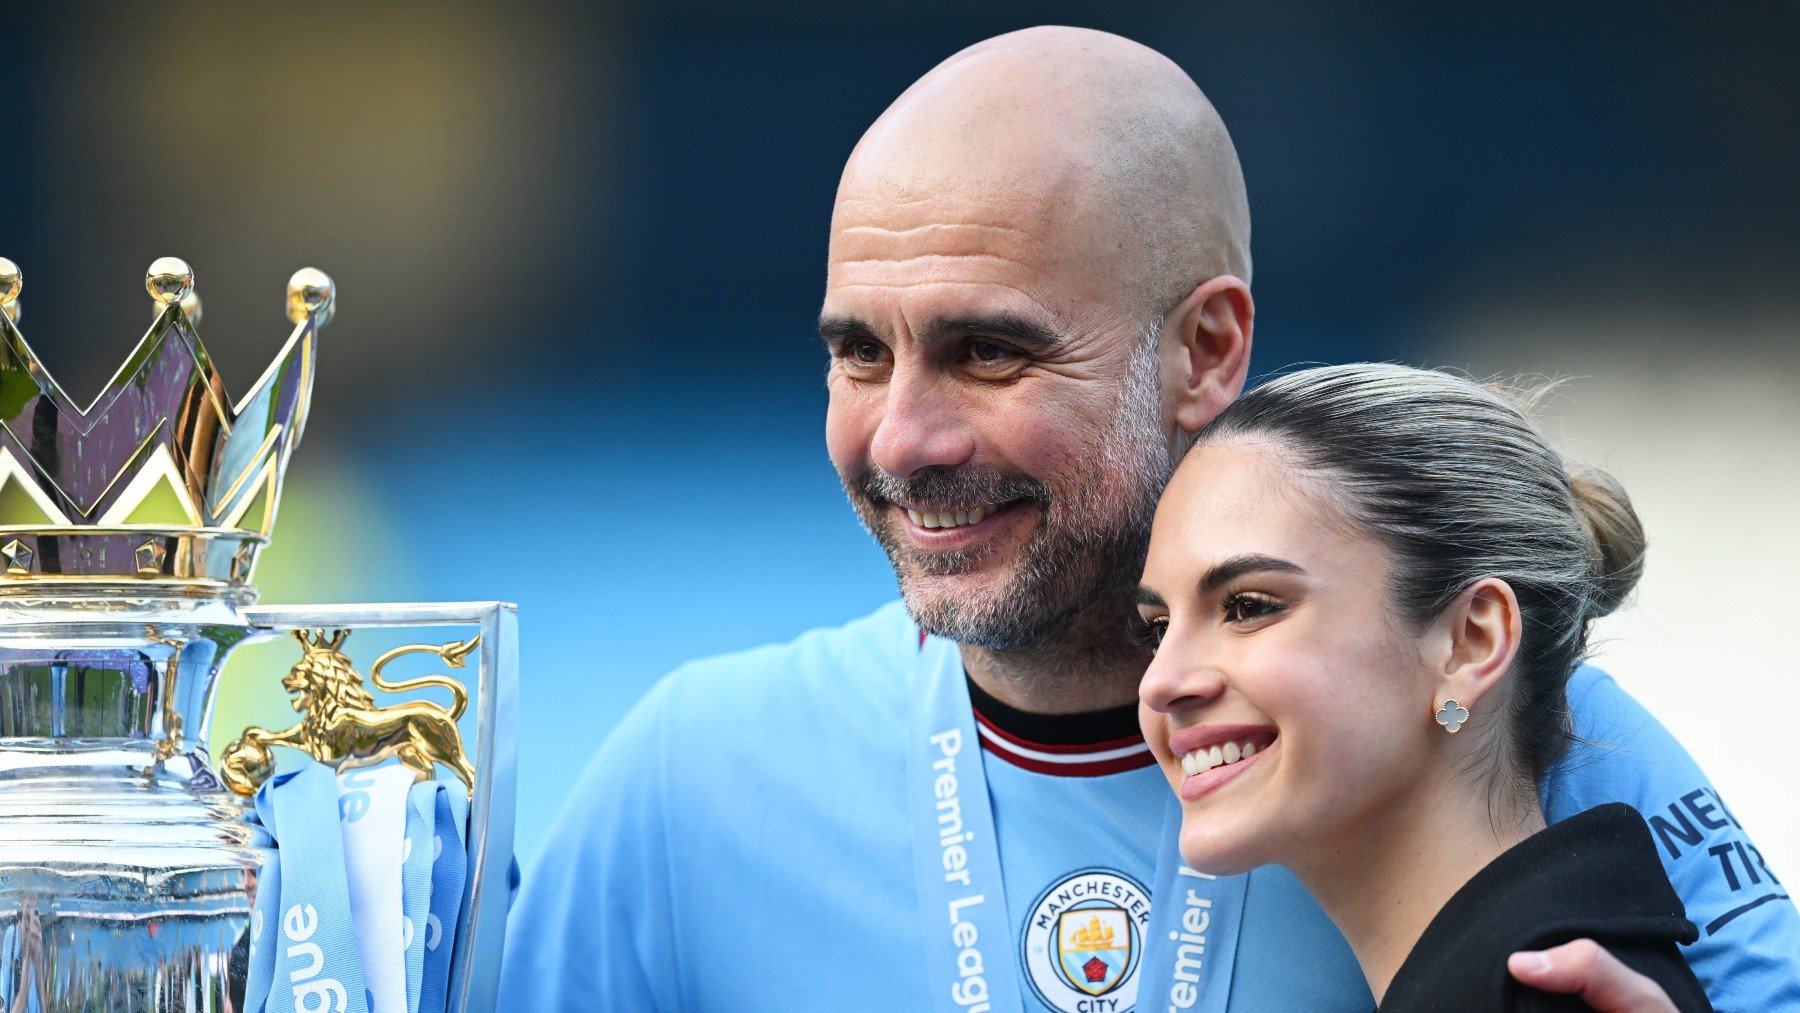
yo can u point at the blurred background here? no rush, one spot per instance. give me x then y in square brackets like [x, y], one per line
[580, 250]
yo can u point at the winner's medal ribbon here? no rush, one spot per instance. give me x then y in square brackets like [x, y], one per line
[971, 956]
[415, 887]
[437, 816]
[1193, 939]
[956, 856]
[266, 915]
[309, 959]
[358, 913]
[372, 807]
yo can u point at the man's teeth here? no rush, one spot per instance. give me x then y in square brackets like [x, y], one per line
[948, 520]
[1202, 760]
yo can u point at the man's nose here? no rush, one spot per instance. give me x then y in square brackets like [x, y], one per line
[1178, 679]
[924, 423]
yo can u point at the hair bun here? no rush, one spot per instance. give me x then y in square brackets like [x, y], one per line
[1613, 526]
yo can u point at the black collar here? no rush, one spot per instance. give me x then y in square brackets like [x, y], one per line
[1057, 729]
[1595, 874]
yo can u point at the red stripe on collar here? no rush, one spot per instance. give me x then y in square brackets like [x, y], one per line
[1091, 760]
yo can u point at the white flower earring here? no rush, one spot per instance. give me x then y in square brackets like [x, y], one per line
[1452, 715]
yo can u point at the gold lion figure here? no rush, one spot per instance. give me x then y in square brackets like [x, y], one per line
[340, 724]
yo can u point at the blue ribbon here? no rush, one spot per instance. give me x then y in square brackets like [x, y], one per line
[266, 915]
[309, 962]
[1192, 943]
[304, 954]
[415, 885]
[446, 807]
[956, 857]
[970, 956]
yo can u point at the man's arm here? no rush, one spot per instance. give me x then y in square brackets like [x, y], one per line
[590, 928]
[1748, 953]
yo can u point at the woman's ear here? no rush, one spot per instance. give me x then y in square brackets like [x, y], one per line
[1205, 351]
[1475, 641]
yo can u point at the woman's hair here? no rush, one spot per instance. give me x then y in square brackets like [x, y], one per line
[1458, 482]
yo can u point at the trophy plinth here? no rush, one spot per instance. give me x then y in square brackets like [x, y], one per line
[130, 862]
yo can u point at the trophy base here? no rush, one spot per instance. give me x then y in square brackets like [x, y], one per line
[122, 893]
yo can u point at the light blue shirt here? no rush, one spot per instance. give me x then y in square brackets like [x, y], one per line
[741, 842]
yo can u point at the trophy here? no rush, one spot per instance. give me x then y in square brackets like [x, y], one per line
[135, 872]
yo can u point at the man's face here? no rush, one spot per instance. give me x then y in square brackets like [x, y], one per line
[995, 414]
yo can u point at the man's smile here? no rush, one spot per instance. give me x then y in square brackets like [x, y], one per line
[942, 527]
[947, 519]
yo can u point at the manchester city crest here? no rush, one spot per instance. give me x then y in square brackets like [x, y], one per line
[1083, 941]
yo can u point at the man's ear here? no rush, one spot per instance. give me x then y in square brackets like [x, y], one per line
[1474, 642]
[1205, 350]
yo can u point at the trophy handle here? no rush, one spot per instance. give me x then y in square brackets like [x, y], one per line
[421, 734]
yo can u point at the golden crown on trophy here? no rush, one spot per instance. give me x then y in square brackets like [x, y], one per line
[162, 484]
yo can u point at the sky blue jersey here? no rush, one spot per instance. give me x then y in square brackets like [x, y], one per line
[742, 841]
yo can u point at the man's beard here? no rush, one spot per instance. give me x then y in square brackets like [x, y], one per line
[1087, 547]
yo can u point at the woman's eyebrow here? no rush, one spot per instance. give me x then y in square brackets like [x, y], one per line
[1237, 566]
[1144, 595]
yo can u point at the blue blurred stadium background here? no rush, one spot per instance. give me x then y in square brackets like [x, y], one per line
[581, 247]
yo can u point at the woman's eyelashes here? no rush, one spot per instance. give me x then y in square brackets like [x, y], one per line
[1237, 608]
[1148, 633]
[1242, 608]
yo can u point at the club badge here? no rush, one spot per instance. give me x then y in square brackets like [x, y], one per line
[1083, 940]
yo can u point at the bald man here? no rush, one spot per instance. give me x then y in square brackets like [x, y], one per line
[1038, 289]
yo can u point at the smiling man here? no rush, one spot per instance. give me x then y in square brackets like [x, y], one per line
[1038, 287]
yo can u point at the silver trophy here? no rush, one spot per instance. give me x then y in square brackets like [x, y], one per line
[128, 533]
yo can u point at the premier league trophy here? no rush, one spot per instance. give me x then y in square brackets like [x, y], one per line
[137, 874]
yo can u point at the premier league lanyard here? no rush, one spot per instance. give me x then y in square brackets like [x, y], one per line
[1191, 943]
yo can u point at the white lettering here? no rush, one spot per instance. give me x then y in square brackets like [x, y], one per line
[307, 951]
[958, 904]
[300, 922]
[972, 991]
[1190, 955]
[969, 991]
[324, 995]
[1195, 920]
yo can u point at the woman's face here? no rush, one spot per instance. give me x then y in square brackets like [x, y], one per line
[1287, 708]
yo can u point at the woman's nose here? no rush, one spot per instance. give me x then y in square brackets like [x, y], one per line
[1179, 678]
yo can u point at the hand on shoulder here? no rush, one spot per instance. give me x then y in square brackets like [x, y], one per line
[1583, 969]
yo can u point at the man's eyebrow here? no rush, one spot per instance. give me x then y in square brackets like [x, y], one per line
[1145, 596]
[1237, 566]
[1025, 332]
[835, 329]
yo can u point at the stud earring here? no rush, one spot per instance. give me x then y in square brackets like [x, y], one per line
[1452, 715]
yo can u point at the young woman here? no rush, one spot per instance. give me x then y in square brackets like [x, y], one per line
[1367, 587]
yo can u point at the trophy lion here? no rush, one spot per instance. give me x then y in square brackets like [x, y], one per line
[341, 725]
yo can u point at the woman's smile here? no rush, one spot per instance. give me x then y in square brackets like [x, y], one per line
[1210, 755]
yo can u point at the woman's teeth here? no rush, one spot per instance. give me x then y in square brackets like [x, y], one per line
[948, 520]
[1202, 760]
